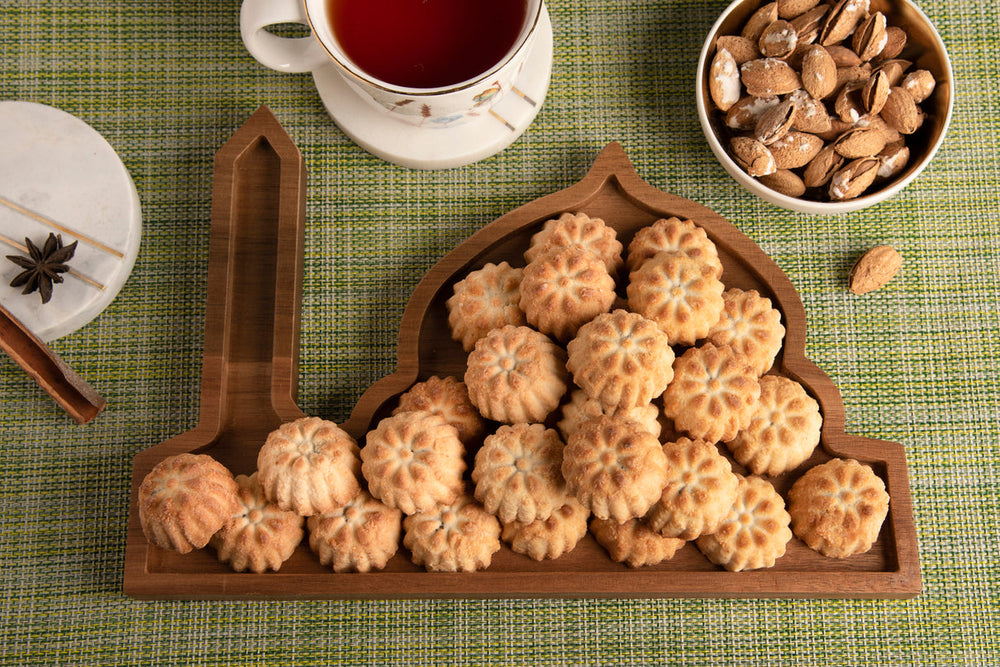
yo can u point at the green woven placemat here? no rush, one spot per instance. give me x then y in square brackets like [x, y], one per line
[168, 82]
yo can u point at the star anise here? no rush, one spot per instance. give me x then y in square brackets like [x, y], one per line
[42, 267]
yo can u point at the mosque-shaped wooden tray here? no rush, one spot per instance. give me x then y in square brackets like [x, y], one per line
[249, 381]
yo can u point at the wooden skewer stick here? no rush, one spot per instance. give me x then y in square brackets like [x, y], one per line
[62, 228]
[72, 272]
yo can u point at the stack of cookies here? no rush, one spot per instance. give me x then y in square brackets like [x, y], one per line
[628, 394]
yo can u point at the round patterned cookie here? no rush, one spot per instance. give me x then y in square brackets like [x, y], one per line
[460, 537]
[838, 507]
[582, 407]
[565, 288]
[700, 491]
[614, 468]
[259, 536]
[414, 461]
[633, 542]
[671, 289]
[518, 473]
[309, 466]
[713, 393]
[621, 359]
[184, 500]
[754, 534]
[549, 538]
[674, 235]
[516, 375]
[578, 229]
[448, 397]
[361, 536]
[783, 431]
[484, 300]
[750, 326]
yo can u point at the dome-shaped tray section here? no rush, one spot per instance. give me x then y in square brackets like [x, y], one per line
[613, 191]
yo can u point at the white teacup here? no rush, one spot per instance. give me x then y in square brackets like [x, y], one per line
[444, 106]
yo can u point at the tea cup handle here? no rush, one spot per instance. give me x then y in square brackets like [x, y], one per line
[284, 54]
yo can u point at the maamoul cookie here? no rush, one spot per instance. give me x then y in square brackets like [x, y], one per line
[449, 398]
[755, 532]
[674, 291]
[750, 326]
[582, 407]
[565, 288]
[633, 542]
[549, 538]
[184, 500]
[518, 473]
[259, 536]
[838, 507]
[360, 536]
[783, 431]
[578, 229]
[414, 461]
[674, 235]
[484, 300]
[713, 393]
[621, 359]
[309, 466]
[461, 537]
[614, 468]
[515, 375]
[700, 491]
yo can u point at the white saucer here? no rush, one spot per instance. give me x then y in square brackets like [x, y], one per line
[378, 132]
[56, 167]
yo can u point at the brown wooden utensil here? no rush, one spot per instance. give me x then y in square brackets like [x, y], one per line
[259, 346]
[80, 400]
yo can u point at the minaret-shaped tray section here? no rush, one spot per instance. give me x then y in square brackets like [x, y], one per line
[252, 321]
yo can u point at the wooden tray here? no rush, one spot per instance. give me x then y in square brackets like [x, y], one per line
[613, 191]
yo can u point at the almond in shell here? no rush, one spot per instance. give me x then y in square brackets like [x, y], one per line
[919, 84]
[819, 72]
[753, 156]
[895, 42]
[741, 48]
[743, 115]
[874, 269]
[808, 25]
[894, 157]
[775, 122]
[842, 20]
[795, 149]
[870, 37]
[786, 182]
[760, 19]
[875, 92]
[853, 178]
[853, 74]
[843, 56]
[901, 112]
[821, 168]
[848, 106]
[724, 80]
[789, 9]
[767, 77]
[876, 122]
[778, 40]
[859, 142]
[810, 114]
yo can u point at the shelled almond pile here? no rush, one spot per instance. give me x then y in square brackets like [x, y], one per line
[817, 99]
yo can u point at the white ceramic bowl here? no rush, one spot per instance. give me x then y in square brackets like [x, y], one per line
[924, 47]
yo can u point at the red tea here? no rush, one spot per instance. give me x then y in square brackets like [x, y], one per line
[426, 43]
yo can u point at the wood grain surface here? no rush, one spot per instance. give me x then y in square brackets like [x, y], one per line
[249, 372]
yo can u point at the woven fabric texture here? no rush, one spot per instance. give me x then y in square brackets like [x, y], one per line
[168, 82]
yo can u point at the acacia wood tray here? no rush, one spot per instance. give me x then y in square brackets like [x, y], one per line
[611, 190]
